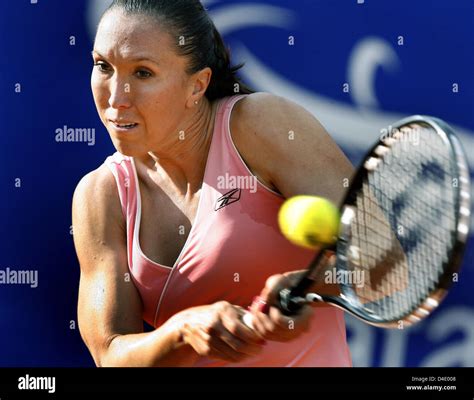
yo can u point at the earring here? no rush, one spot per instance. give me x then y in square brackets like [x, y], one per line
[196, 102]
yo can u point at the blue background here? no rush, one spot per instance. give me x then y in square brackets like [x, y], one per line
[305, 50]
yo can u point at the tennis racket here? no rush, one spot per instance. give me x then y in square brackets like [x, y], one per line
[403, 228]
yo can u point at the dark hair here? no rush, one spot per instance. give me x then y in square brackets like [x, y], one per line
[196, 37]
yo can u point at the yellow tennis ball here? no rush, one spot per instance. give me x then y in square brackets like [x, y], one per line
[309, 221]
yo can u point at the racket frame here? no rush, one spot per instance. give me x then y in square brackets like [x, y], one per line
[293, 299]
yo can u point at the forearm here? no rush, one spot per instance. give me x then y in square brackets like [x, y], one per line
[162, 347]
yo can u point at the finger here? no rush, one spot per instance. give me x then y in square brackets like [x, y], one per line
[232, 322]
[215, 348]
[265, 320]
[226, 336]
[254, 324]
[278, 327]
[307, 313]
[257, 326]
[220, 345]
[297, 322]
[199, 341]
[264, 325]
[295, 276]
[241, 347]
[236, 334]
[281, 320]
[272, 288]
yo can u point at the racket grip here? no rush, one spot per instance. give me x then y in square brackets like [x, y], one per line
[260, 305]
[287, 303]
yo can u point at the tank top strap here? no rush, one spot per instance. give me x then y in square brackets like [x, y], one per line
[122, 169]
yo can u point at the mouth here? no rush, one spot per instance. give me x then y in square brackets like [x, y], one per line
[123, 126]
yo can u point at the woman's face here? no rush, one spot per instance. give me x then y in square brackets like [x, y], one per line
[138, 79]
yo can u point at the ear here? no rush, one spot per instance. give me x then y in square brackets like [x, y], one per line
[199, 83]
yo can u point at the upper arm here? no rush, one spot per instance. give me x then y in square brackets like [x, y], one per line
[109, 304]
[291, 148]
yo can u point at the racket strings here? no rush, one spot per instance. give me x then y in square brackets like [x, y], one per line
[403, 225]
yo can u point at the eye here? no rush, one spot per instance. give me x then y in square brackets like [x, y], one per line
[143, 74]
[102, 67]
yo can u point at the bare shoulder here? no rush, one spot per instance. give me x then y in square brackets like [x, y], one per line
[99, 180]
[96, 213]
[97, 192]
[289, 146]
[268, 124]
[264, 113]
[257, 120]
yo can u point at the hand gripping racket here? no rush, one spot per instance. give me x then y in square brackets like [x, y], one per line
[404, 223]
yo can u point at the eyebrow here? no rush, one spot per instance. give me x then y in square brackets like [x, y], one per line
[135, 59]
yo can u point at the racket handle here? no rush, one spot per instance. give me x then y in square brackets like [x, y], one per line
[260, 305]
[257, 304]
[288, 303]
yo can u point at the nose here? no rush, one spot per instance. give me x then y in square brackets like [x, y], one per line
[120, 94]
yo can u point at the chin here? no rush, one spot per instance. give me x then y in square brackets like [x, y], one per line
[133, 149]
[127, 149]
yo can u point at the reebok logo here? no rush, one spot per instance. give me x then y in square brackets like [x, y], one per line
[228, 198]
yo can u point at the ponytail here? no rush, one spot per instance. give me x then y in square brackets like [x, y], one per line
[224, 80]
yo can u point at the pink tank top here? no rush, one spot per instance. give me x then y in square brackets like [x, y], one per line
[234, 245]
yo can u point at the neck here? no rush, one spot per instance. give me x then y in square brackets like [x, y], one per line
[184, 161]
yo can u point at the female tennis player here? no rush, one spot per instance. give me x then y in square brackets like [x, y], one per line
[179, 226]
